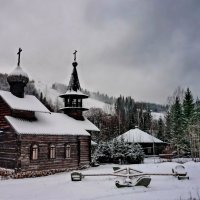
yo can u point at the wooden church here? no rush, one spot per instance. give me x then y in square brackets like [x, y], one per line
[34, 139]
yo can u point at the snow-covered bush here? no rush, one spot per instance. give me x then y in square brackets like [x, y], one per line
[135, 154]
[103, 153]
[119, 151]
[119, 148]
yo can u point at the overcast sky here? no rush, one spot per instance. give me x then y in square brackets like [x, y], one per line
[139, 48]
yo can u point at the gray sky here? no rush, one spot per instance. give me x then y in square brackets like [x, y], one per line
[139, 48]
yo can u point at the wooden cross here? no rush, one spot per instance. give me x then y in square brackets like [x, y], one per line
[19, 52]
[75, 55]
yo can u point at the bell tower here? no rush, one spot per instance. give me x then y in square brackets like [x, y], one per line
[73, 98]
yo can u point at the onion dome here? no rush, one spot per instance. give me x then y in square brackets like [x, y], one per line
[18, 75]
[18, 79]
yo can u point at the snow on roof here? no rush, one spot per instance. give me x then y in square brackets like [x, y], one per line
[87, 125]
[138, 136]
[72, 92]
[28, 103]
[51, 124]
[18, 72]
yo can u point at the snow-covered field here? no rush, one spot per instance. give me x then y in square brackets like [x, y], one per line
[60, 186]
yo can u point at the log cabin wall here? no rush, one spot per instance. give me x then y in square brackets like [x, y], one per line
[85, 150]
[8, 139]
[8, 150]
[44, 162]
[4, 110]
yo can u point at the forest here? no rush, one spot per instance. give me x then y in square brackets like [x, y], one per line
[179, 127]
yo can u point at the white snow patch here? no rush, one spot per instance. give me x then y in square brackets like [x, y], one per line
[28, 103]
[60, 186]
[52, 124]
[157, 116]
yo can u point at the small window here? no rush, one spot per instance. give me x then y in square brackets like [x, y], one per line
[79, 103]
[74, 103]
[34, 152]
[68, 151]
[52, 151]
[68, 102]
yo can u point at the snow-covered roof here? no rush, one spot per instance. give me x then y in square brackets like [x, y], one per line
[18, 72]
[28, 103]
[86, 124]
[138, 136]
[74, 93]
[51, 124]
[74, 108]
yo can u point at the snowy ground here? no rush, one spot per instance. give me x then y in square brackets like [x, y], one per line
[60, 186]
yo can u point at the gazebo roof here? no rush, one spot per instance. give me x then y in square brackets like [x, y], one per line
[138, 136]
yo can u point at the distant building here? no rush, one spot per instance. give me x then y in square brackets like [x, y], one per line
[34, 139]
[150, 144]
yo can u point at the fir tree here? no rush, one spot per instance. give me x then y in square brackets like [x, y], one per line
[178, 139]
[196, 114]
[168, 134]
[160, 134]
[188, 107]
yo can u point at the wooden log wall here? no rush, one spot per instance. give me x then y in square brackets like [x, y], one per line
[60, 141]
[8, 139]
[4, 110]
[15, 149]
[85, 150]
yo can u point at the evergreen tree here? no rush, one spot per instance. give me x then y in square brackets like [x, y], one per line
[160, 134]
[168, 134]
[119, 148]
[188, 114]
[119, 151]
[188, 108]
[147, 120]
[103, 152]
[178, 139]
[196, 114]
[134, 154]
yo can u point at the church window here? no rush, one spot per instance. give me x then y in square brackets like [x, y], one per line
[52, 151]
[68, 151]
[34, 152]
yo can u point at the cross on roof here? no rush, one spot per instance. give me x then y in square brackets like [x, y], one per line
[19, 52]
[75, 55]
